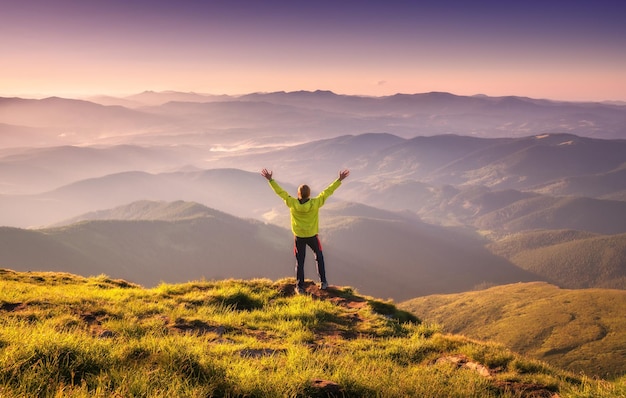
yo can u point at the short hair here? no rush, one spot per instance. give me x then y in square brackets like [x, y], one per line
[304, 191]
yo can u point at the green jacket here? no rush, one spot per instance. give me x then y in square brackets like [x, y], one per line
[305, 216]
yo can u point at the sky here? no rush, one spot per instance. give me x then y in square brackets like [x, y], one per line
[564, 50]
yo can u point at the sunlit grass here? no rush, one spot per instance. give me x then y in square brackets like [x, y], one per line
[580, 330]
[67, 336]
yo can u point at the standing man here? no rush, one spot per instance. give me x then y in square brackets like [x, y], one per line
[305, 224]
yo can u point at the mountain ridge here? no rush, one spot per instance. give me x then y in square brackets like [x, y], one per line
[298, 115]
[148, 210]
[570, 259]
[147, 242]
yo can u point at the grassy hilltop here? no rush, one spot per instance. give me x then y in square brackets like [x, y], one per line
[67, 336]
[579, 330]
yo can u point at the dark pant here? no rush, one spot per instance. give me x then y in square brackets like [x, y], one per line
[300, 251]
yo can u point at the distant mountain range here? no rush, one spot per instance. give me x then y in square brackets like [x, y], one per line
[507, 185]
[471, 210]
[288, 117]
[446, 193]
[233, 191]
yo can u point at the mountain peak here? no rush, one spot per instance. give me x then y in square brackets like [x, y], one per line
[149, 210]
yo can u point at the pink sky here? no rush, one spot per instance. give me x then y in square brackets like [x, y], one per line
[559, 50]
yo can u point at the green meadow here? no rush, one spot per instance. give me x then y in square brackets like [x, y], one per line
[63, 335]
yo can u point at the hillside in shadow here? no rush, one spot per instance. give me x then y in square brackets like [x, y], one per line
[382, 253]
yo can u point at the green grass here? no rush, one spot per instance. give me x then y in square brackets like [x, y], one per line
[577, 330]
[67, 336]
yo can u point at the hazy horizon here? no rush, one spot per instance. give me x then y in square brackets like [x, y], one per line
[94, 97]
[571, 52]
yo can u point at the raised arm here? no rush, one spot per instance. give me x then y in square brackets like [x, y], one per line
[277, 189]
[267, 174]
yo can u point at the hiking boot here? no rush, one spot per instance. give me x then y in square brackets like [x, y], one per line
[324, 285]
[299, 290]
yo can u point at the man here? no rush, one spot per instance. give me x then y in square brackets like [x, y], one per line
[305, 224]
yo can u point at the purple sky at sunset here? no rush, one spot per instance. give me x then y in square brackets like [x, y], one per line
[574, 50]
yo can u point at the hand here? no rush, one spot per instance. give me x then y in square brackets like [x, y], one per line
[267, 174]
[343, 174]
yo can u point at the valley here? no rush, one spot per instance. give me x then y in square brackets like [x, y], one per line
[448, 195]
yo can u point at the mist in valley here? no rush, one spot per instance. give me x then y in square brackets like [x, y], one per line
[165, 186]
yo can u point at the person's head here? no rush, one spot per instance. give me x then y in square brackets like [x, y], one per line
[304, 192]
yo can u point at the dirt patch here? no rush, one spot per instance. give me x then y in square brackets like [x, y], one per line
[526, 390]
[94, 321]
[462, 361]
[10, 307]
[194, 326]
[334, 295]
[523, 390]
[325, 388]
[260, 335]
[91, 318]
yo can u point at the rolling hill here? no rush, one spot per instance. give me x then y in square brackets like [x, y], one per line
[578, 330]
[38, 170]
[502, 163]
[78, 121]
[155, 243]
[439, 178]
[498, 211]
[608, 185]
[570, 259]
[536, 164]
[148, 242]
[417, 258]
[543, 212]
[232, 191]
[12, 136]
